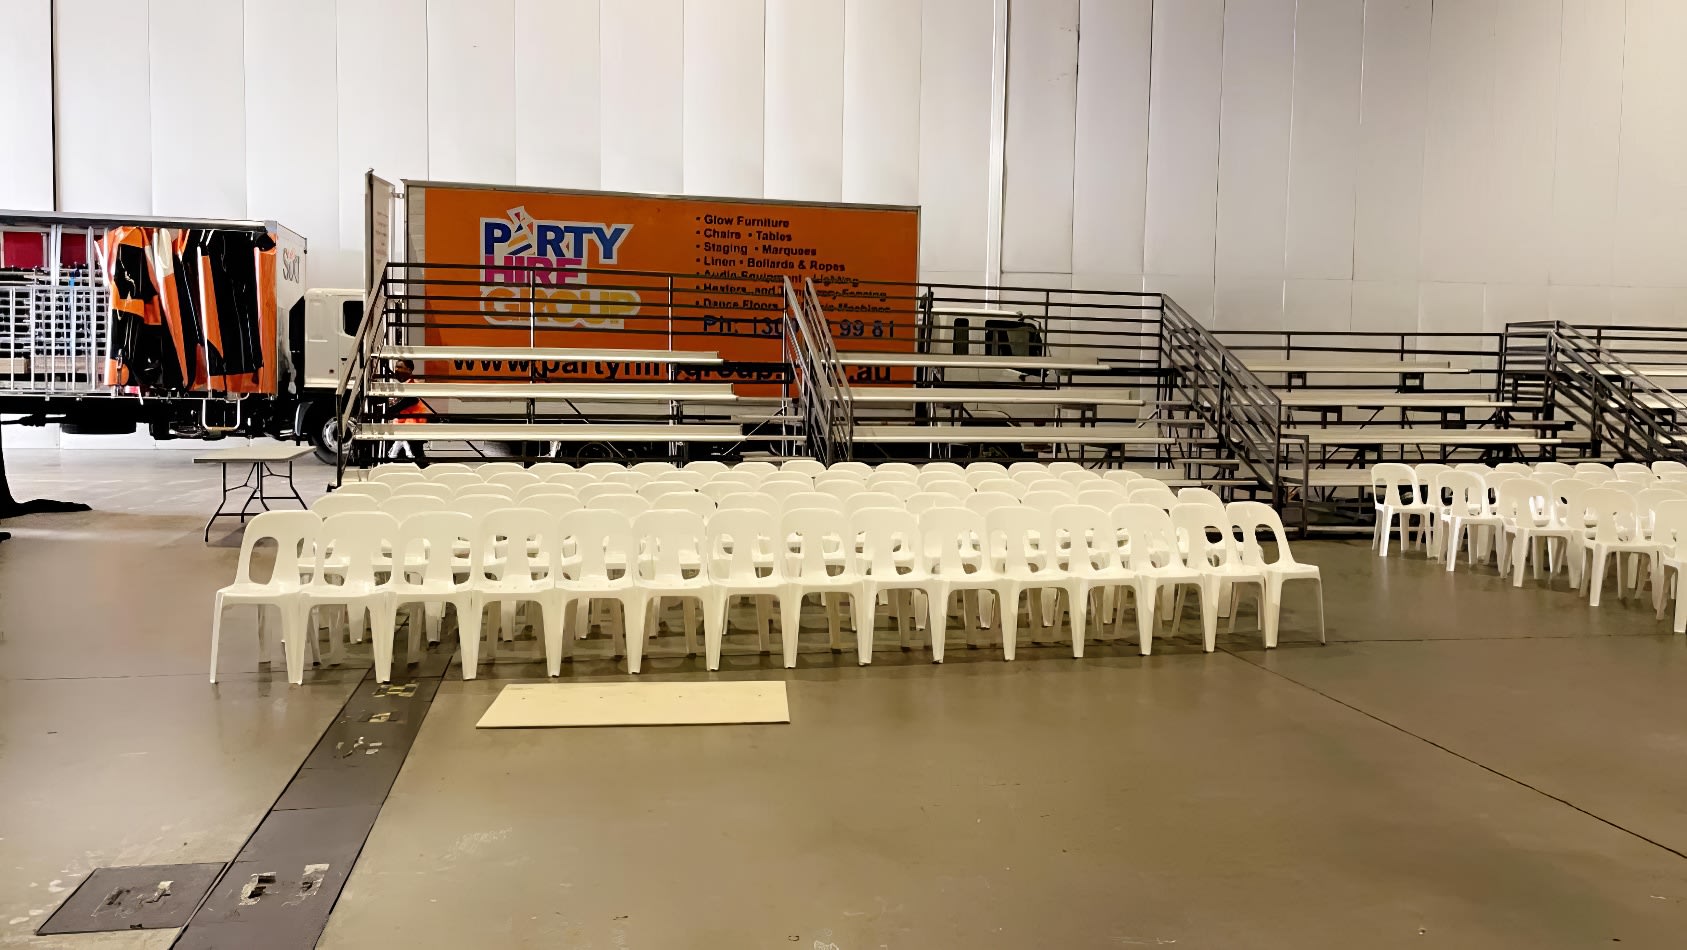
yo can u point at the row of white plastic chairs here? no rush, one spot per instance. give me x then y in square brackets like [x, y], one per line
[1578, 521]
[812, 467]
[370, 561]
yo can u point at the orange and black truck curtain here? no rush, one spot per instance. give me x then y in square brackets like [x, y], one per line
[192, 310]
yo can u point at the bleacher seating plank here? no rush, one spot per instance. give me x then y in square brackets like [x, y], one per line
[586, 390]
[1417, 435]
[1069, 434]
[1380, 399]
[964, 361]
[545, 432]
[1396, 367]
[897, 395]
[545, 353]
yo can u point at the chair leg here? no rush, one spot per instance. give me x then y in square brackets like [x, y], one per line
[1147, 599]
[634, 610]
[1455, 534]
[1596, 576]
[1319, 582]
[863, 605]
[382, 619]
[295, 630]
[714, 607]
[1077, 609]
[1680, 625]
[468, 638]
[1520, 554]
[937, 608]
[217, 629]
[1387, 526]
[551, 614]
[764, 621]
[834, 622]
[688, 616]
[1210, 594]
[1007, 615]
[790, 618]
[1273, 606]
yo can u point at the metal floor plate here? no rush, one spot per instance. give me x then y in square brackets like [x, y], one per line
[144, 897]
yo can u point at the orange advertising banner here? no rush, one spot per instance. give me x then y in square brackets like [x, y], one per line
[595, 264]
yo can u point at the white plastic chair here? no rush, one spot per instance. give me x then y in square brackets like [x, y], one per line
[429, 489]
[455, 481]
[551, 470]
[1199, 496]
[295, 536]
[1596, 472]
[948, 486]
[997, 468]
[1119, 476]
[628, 505]
[1027, 466]
[1669, 533]
[1395, 494]
[488, 469]
[1524, 507]
[514, 480]
[1250, 518]
[1157, 494]
[850, 465]
[403, 506]
[892, 564]
[591, 493]
[882, 481]
[1633, 472]
[625, 476]
[1103, 495]
[844, 477]
[740, 562]
[600, 469]
[811, 499]
[447, 468]
[733, 477]
[426, 545]
[544, 489]
[380, 491]
[1000, 485]
[1519, 469]
[337, 502]
[1089, 559]
[810, 467]
[396, 477]
[1466, 507]
[603, 544]
[1153, 562]
[747, 501]
[485, 490]
[757, 467]
[950, 536]
[1014, 536]
[1026, 476]
[670, 565]
[1079, 477]
[654, 468]
[1212, 551]
[1060, 466]
[814, 534]
[1549, 471]
[906, 469]
[1616, 530]
[690, 478]
[516, 551]
[1426, 473]
[706, 466]
[356, 543]
[1662, 466]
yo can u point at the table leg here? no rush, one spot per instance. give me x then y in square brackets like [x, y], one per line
[221, 503]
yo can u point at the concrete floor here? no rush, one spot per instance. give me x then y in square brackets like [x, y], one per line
[1464, 765]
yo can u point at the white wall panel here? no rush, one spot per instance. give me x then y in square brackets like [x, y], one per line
[1511, 303]
[642, 118]
[1518, 212]
[197, 56]
[105, 109]
[723, 97]
[292, 147]
[1456, 166]
[954, 132]
[1193, 292]
[1589, 121]
[1648, 306]
[881, 101]
[1390, 305]
[1449, 308]
[1253, 144]
[805, 54]
[1183, 137]
[1651, 188]
[26, 81]
[1324, 157]
[471, 90]
[1318, 304]
[557, 93]
[1247, 303]
[1110, 167]
[382, 80]
[1042, 105]
[1583, 306]
[1392, 119]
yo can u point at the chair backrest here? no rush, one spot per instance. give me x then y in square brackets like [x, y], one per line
[1019, 536]
[1627, 486]
[1199, 496]
[1616, 516]
[1149, 534]
[515, 479]
[455, 480]
[906, 469]
[488, 469]
[573, 479]
[736, 536]
[1143, 481]
[812, 532]
[485, 490]
[478, 506]
[1208, 537]
[1080, 476]
[899, 485]
[426, 544]
[654, 468]
[600, 469]
[1119, 475]
[446, 468]
[1026, 476]
[948, 486]
[985, 465]
[1553, 470]
[1624, 468]
[625, 476]
[850, 465]
[811, 499]
[719, 490]
[1046, 501]
[890, 542]
[978, 476]
[358, 539]
[376, 490]
[1650, 500]
[398, 476]
[1393, 483]
[628, 505]
[841, 490]
[659, 486]
[923, 501]
[1515, 468]
[690, 478]
[1669, 528]
[1089, 532]
[1000, 484]
[698, 504]
[554, 505]
[932, 476]
[1480, 468]
[1156, 494]
[601, 540]
[873, 499]
[948, 536]
[668, 539]
[591, 493]
[1049, 483]
[1426, 472]
[756, 467]
[985, 502]
[1027, 466]
[544, 490]
[1595, 472]
[337, 502]
[848, 477]
[955, 469]
[809, 467]
[706, 466]
[1063, 465]
[295, 536]
[801, 480]
[550, 470]
[750, 501]
[1466, 492]
[1640, 474]
[403, 506]
[783, 490]
[430, 489]
[1667, 465]
[736, 477]
[1251, 518]
[1523, 501]
[1103, 498]
[1568, 498]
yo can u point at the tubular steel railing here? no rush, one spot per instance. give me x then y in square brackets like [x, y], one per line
[1625, 412]
[1246, 413]
[819, 386]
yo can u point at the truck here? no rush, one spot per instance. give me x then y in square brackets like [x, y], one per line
[192, 328]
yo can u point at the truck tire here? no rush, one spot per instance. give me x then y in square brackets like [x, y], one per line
[323, 430]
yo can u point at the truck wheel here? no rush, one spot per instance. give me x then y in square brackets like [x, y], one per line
[324, 432]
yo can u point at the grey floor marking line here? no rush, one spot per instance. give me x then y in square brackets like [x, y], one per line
[302, 879]
[1458, 755]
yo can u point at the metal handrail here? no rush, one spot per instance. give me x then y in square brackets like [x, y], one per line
[355, 379]
[1618, 402]
[1245, 412]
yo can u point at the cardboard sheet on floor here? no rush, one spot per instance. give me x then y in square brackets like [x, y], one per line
[540, 705]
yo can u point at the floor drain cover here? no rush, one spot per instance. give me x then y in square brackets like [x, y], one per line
[151, 897]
